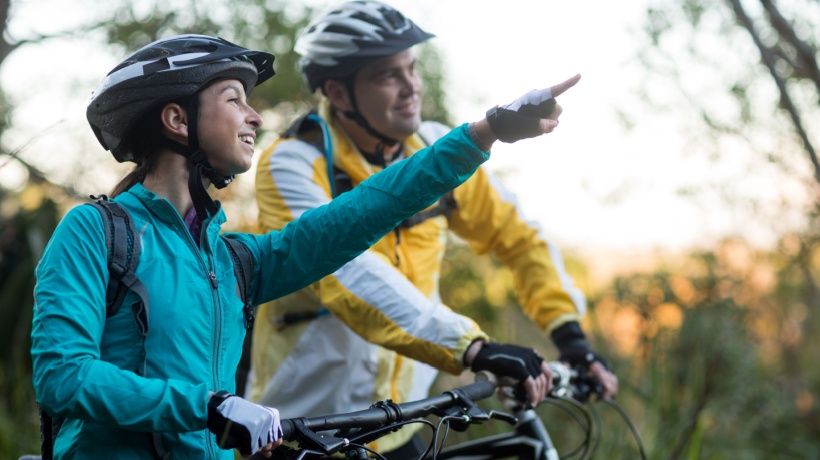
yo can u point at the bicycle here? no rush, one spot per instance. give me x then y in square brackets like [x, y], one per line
[457, 409]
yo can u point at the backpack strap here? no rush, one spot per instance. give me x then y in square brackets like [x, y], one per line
[123, 256]
[49, 427]
[304, 129]
[243, 269]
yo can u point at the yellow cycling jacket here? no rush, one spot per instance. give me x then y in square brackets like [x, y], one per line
[386, 300]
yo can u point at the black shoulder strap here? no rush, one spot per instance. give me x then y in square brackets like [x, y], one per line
[243, 269]
[307, 129]
[123, 257]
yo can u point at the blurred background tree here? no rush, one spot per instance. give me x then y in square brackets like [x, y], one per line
[713, 347]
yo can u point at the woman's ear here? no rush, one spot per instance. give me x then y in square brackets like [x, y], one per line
[175, 122]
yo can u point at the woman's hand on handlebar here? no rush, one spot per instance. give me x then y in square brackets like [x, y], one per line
[241, 424]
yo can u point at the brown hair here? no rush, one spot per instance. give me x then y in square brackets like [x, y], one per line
[143, 141]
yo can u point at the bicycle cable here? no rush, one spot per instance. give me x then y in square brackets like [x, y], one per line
[434, 444]
[585, 427]
[363, 447]
[592, 427]
[393, 427]
[596, 437]
[629, 424]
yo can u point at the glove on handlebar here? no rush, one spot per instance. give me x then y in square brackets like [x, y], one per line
[508, 360]
[520, 118]
[239, 423]
[573, 346]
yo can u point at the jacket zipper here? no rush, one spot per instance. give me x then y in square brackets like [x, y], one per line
[217, 330]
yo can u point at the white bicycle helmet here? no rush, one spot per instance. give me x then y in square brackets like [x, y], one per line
[350, 36]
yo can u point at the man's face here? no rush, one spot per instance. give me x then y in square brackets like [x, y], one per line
[388, 92]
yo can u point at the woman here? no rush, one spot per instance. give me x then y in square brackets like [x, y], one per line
[178, 108]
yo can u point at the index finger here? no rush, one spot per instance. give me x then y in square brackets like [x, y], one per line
[565, 85]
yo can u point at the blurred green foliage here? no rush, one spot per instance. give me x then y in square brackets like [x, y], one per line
[714, 351]
[25, 226]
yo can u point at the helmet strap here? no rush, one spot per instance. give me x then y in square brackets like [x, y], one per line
[360, 120]
[198, 165]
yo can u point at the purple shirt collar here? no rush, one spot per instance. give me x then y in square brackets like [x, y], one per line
[194, 225]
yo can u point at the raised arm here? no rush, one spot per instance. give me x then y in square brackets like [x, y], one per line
[325, 238]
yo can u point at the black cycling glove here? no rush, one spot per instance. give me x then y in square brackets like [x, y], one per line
[241, 424]
[505, 360]
[520, 119]
[573, 346]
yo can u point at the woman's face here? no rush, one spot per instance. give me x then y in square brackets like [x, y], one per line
[227, 126]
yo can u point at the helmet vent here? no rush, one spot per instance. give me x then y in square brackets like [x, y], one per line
[156, 66]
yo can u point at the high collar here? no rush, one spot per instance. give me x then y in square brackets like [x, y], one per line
[162, 208]
[347, 157]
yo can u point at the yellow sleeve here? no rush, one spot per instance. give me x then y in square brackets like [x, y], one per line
[488, 218]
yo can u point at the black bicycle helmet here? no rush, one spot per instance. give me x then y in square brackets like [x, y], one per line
[173, 69]
[166, 70]
[350, 36]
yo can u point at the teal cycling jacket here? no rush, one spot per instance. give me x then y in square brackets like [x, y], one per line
[117, 389]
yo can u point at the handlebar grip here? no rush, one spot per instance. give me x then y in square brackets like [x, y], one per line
[288, 429]
[479, 389]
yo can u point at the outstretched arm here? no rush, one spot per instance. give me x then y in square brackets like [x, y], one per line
[325, 238]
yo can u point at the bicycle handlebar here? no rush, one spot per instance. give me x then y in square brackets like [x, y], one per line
[387, 412]
[382, 413]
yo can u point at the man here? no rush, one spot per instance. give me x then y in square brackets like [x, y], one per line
[345, 341]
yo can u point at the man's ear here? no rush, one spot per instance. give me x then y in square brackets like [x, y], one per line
[337, 95]
[175, 122]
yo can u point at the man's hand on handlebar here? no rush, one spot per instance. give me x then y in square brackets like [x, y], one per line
[576, 351]
[518, 364]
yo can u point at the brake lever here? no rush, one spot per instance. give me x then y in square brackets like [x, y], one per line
[327, 444]
[504, 417]
[464, 413]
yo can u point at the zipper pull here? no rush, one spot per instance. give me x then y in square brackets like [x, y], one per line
[212, 277]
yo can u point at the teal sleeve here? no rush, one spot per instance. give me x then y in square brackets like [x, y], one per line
[325, 238]
[69, 377]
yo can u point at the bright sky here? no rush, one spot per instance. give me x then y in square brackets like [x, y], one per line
[591, 185]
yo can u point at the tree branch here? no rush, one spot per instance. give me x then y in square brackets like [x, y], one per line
[785, 98]
[38, 177]
[7, 48]
[805, 54]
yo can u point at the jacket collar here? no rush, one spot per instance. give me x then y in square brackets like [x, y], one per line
[346, 156]
[165, 211]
